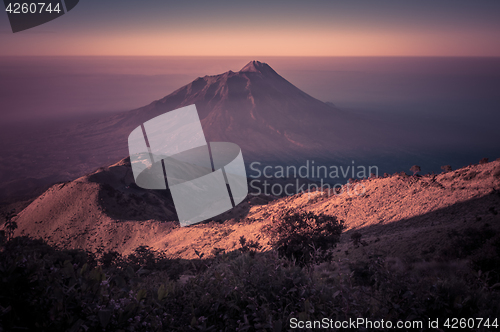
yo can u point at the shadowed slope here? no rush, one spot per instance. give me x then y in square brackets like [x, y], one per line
[84, 214]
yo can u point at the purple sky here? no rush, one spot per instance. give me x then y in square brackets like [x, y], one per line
[283, 28]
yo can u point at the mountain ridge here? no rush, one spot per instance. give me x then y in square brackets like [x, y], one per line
[105, 209]
[266, 115]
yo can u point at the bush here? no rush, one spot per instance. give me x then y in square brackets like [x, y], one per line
[43, 288]
[483, 161]
[415, 169]
[109, 258]
[249, 246]
[143, 257]
[356, 238]
[305, 236]
[446, 168]
[10, 225]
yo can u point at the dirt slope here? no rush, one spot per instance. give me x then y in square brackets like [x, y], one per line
[398, 213]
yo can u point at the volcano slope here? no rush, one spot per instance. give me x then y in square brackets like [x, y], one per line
[400, 215]
[269, 118]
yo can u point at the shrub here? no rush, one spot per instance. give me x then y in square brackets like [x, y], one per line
[109, 258]
[356, 238]
[415, 169]
[306, 236]
[483, 161]
[249, 246]
[143, 257]
[10, 225]
[48, 289]
[217, 251]
[446, 168]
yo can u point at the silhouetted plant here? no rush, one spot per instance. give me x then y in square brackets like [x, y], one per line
[217, 251]
[242, 240]
[109, 258]
[249, 246]
[446, 168]
[415, 169]
[356, 238]
[143, 257]
[43, 288]
[483, 161]
[200, 255]
[302, 235]
[10, 225]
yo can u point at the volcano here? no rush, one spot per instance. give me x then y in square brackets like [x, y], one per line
[256, 108]
[268, 117]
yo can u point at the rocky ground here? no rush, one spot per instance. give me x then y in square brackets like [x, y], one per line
[412, 216]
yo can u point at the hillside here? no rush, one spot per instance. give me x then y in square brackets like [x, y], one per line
[397, 214]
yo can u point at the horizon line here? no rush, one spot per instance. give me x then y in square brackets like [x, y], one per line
[256, 56]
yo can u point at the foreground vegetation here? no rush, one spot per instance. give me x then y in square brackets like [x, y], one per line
[43, 288]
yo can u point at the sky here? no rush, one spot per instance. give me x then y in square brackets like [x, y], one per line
[269, 28]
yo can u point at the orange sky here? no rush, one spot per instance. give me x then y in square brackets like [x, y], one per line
[299, 29]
